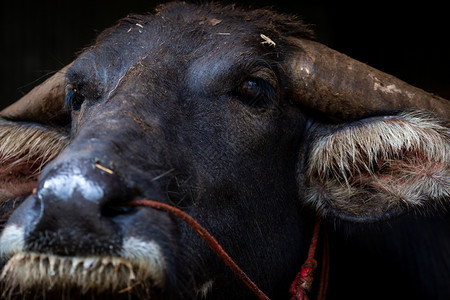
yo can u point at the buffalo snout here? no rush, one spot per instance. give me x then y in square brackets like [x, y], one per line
[76, 226]
[73, 198]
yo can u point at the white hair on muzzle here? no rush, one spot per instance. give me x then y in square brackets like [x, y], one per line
[44, 273]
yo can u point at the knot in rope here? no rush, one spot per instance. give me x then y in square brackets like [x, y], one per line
[303, 281]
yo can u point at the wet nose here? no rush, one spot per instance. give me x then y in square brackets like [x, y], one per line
[83, 180]
[72, 198]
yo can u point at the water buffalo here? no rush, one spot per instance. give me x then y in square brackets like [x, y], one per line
[244, 122]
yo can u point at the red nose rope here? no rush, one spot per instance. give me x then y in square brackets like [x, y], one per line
[303, 280]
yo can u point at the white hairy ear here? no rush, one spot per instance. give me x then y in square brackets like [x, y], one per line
[24, 150]
[381, 167]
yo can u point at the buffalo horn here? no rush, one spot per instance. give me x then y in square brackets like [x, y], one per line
[43, 104]
[344, 89]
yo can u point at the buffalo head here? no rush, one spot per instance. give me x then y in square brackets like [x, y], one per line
[238, 118]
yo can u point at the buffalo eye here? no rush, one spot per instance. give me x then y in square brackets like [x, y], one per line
[256, 92]
[74, 99]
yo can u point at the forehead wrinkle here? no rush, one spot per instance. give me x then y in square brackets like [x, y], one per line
[99, 70]
[120, 51]
[126, 73]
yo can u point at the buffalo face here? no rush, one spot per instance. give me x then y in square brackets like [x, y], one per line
[213, 110]
[193, 118]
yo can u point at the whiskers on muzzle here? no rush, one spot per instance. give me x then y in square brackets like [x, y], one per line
[45, 273]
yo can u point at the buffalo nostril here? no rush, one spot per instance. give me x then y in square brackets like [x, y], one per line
[78, 184]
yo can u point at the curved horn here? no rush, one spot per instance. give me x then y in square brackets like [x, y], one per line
[43, 103]
[345, 89]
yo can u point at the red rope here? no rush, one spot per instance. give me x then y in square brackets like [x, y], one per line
[303, 280]
[205, 235]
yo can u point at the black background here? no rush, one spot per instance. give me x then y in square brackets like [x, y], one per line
[409, 42]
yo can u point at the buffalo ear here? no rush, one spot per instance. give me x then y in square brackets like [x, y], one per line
[24, 149]
[369, 168]
[380, 167]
